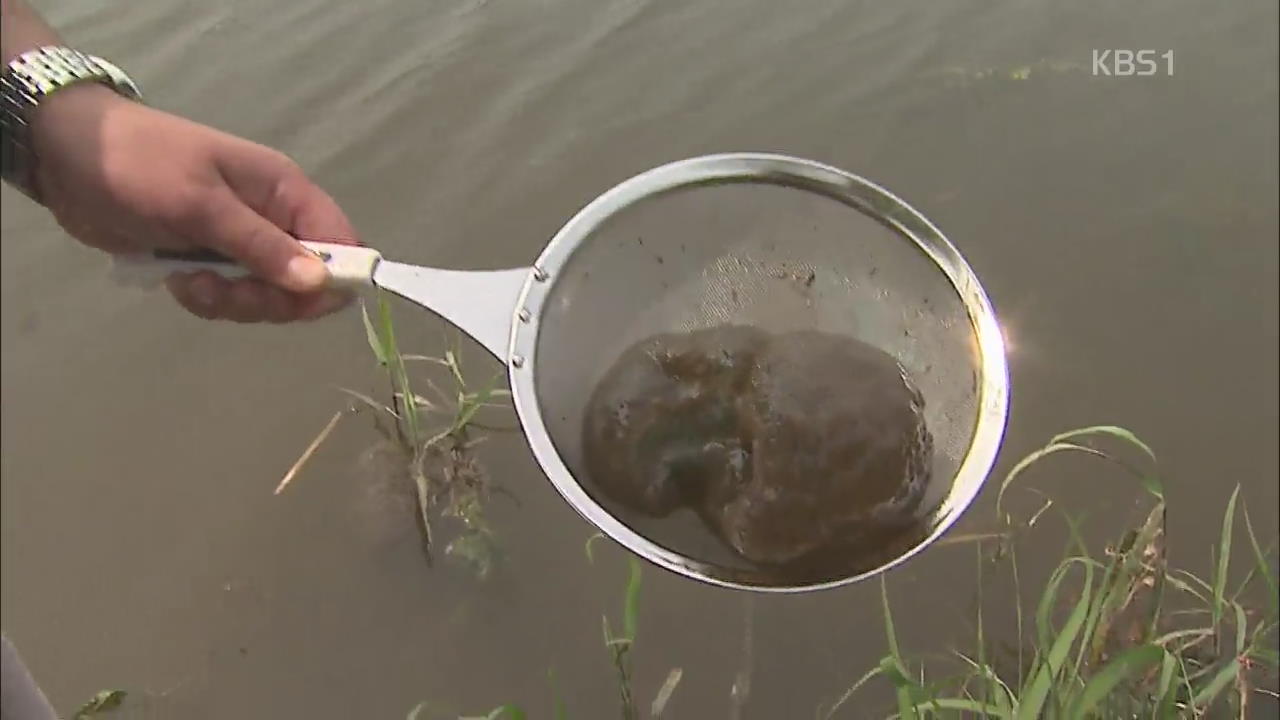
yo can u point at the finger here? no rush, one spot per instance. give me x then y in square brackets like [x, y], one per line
[200, 293]
[234, 229]
[280, 191]
[251, 301]
[281, 306]
[317, 305]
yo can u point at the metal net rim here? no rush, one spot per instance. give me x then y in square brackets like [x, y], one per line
[859, 193]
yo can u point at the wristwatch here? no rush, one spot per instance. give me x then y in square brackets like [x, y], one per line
[25, 82]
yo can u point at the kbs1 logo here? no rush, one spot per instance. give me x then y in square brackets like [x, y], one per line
[1130, 63]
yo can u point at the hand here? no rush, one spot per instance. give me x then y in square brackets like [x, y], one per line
[122, 177]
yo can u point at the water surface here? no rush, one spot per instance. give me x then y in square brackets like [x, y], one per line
[1125, 229]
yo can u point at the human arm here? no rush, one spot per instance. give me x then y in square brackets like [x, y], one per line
[124, 177]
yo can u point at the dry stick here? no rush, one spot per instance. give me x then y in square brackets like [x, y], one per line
[306, 454]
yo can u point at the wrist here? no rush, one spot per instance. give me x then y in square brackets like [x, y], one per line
[67, 122]
[68, 106]
[68, 80]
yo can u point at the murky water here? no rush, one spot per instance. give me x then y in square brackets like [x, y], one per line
[1125, 227]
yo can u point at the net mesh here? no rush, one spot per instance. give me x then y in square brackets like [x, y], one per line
[774, 257]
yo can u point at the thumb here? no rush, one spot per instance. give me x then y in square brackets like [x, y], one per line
[263, 248]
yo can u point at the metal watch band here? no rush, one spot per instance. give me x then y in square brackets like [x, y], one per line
[25, 82]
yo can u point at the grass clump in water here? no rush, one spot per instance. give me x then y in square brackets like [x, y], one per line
[435, 433]
[1118, 634]
[1121, 635]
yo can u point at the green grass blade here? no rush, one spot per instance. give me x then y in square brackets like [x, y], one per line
[631, 603]
[1001, 696]
[1224, 559]
[506, 712]
[469, 409]
[1166, 689]
[1045, 676]
[1094, 628]
[1017, 602]
[102, 701]
[1263, 629]
[1242, 627]
[559, 710]
[1128, 665]
[1209, 692]
[1115, 431]
[891, 667]
[399, 375]
[371, 334]
[990, 688]
[1034, 458]
[1266, 656]
[1185, 677]
[1063, 442]
[962, 705]
[1044, 609]
[890, 633]
[1150, 480]
[1004, 701]
[906, 708]
[1264, 568]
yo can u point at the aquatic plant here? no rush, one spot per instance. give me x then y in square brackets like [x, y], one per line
[1118, 635]
[619, 646]
[436, 433]
[102, 702]
[1138, 639]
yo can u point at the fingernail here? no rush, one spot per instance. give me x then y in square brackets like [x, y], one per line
[307, 272]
